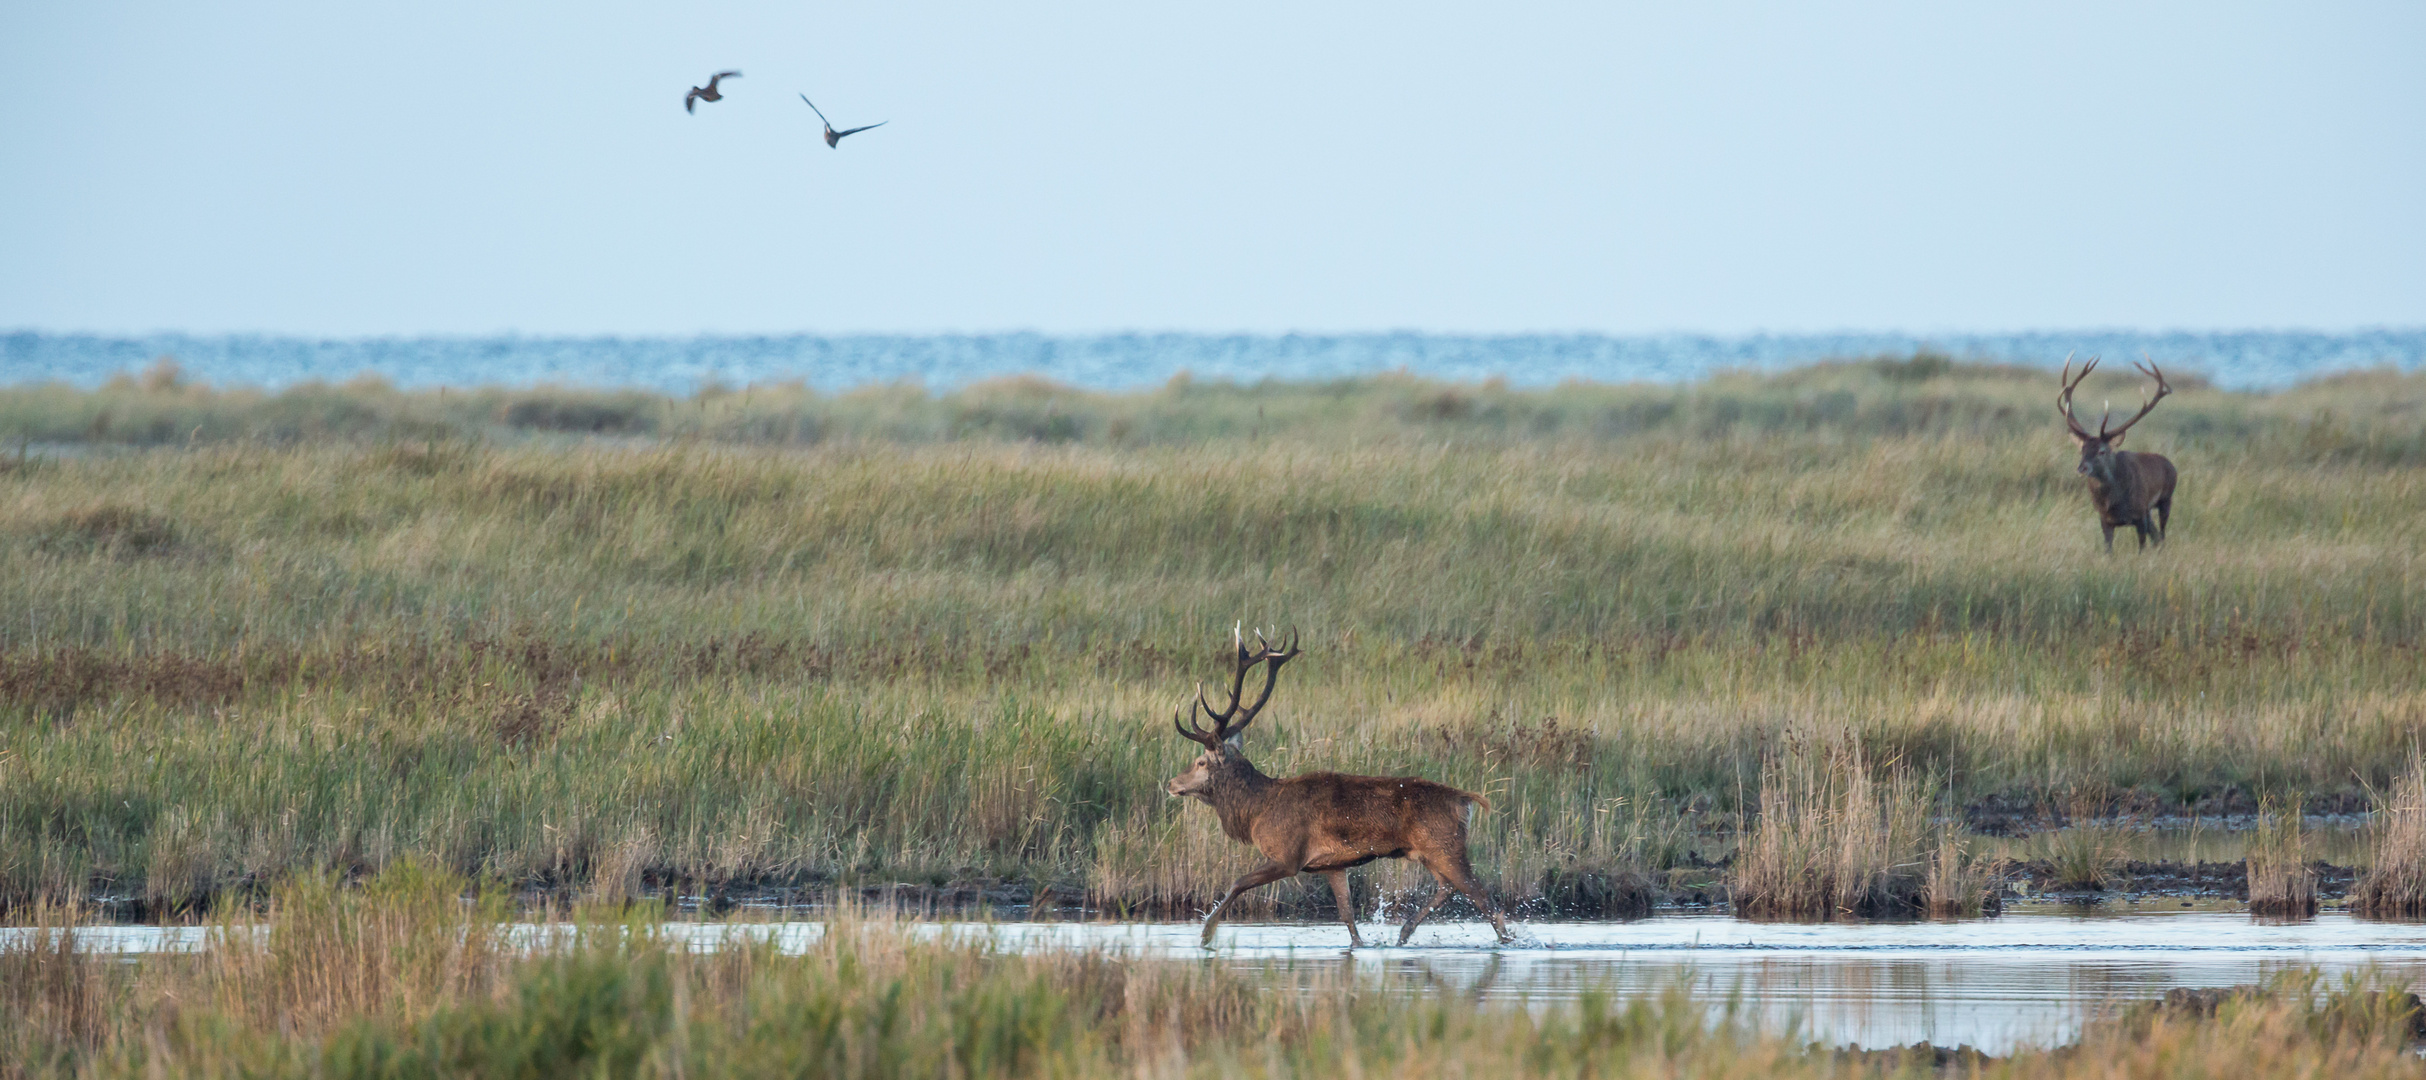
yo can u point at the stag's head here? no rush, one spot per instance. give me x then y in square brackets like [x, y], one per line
[2098, 448]
[1223, 757]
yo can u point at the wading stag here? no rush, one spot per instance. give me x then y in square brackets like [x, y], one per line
[2126, 487]
[1324, 822]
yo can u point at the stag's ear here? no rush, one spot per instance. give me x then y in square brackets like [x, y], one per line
[2115, 440]
[1237, 742]
[2082, 439]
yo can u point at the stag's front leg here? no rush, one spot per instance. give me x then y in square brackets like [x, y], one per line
[1453, 871]
[2109, 538]
[1347, 907]
[1261, 875]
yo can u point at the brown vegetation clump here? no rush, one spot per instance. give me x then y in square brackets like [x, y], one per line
[1960, 885]
[2281, 882]
[2394, 886]
[1833, 837]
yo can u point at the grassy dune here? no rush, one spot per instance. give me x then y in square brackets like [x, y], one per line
[401, 979]
[893, 636]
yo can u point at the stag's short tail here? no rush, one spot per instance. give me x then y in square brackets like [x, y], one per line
[1474, 799]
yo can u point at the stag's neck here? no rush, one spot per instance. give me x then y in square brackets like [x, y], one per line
[1238, 794]
[2114, 489]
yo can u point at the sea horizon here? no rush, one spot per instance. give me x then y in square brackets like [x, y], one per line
[2236, 359]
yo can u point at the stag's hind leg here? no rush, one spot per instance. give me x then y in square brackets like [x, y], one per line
[2164, 518]
[1455, 872]
[1261, 875]
[1347, 907]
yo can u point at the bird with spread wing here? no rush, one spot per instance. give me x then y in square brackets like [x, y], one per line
[833, 137]
[690, 101]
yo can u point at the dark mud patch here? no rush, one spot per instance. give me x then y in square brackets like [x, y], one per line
[2019, 814]
[2137, 880]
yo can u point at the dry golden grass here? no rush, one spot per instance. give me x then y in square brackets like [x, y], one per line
[2395, 883]
[2281, 883]
[1837, 835]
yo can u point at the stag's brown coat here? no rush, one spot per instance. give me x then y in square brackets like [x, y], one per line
[2125, 487]
[1324, 822]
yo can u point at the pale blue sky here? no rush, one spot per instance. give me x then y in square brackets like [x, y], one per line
[444, 167]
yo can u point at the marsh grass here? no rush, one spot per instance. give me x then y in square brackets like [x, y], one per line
[1960, 884]
[343, 626]
[2394, 886]
[2087, 856]
[1836, 835]
[2281, 883]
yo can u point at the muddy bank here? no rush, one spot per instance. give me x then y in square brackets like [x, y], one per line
[2230, 809]
[1597, 895]
[2139, 880]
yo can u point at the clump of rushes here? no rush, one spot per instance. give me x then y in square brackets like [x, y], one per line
[2281, 884]
[1833, 837]
[1959, 884]
[2395, 885]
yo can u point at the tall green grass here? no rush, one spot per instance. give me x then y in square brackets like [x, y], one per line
[925, 648]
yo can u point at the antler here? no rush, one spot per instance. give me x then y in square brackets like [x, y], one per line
[2162, 388]
[2063, 401]
[1231, 719]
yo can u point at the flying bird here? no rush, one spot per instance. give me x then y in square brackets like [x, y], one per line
[707, 93]
[833, 137]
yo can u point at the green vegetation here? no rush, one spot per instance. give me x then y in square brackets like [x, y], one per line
[771, 636]
[401, 979]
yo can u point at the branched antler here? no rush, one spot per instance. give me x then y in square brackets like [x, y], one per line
[2063, 400]
[2162, 388]
[1233, 718]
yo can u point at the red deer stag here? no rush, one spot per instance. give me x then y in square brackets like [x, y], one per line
[2127, 488]
[1322, 823]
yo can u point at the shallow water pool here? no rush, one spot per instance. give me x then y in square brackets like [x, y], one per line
[2023, 978]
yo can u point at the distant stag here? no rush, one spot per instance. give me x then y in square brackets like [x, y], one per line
[1322, 823]
[2127, 488]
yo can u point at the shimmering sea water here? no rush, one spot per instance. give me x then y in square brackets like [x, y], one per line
[2256, 359]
